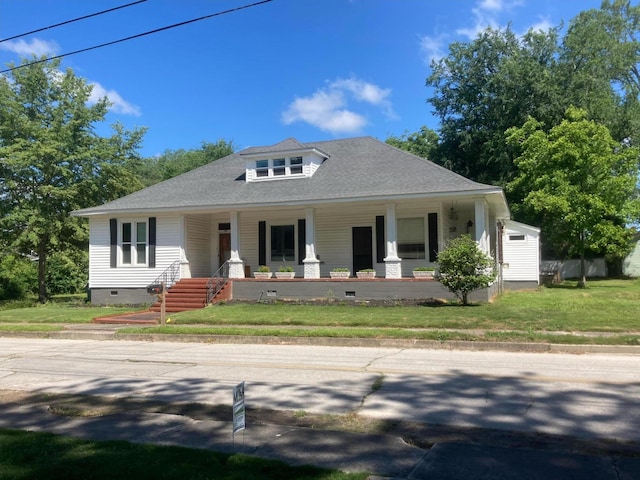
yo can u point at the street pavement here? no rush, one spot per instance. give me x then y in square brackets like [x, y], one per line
[518, 392]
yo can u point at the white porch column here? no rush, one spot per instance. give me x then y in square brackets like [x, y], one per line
[392, 263]
[481, 224]
[236, 265]
[311, 262]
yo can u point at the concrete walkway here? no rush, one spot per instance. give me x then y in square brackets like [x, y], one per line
[380, 455]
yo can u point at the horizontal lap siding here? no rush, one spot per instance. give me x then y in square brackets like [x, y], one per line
[100, 273]
[521, 256]
[198, 250]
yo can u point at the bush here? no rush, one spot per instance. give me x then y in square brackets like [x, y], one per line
[67, 272]
[463, 267]
[18, 277]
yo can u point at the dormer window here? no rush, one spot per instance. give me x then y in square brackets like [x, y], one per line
[282, 164]
[262, 168]
[279, 168]
[295, 165]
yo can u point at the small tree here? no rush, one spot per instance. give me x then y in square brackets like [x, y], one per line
[464, 267]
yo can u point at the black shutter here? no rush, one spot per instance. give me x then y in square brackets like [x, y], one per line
[380, 243]
[433, 237]
[262, 243]
[302, 240]
[152, 242]
[113, 242]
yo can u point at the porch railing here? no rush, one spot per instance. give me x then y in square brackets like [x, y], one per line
[170, 276]
[217, 282]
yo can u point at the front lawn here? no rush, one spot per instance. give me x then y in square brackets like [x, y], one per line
[28, 455]
[555, 314]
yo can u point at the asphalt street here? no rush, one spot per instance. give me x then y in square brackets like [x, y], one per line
[585, 396]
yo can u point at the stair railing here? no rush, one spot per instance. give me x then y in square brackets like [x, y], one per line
[217, 282]
[170, 276]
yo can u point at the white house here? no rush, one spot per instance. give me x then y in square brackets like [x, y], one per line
[357, 203]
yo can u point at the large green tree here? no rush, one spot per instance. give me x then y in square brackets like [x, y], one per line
[422, 143]
[175, 162]
[52, 161]
[582, 183]
[483, 87]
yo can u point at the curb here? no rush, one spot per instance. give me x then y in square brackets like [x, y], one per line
[335, 342]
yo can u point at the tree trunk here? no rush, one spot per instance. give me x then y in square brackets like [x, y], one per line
[582, 283]
[42, 270]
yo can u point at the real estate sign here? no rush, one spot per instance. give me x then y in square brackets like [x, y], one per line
[238, 408]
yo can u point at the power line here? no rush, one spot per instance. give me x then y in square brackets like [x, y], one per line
[71, 21]
[168, 27]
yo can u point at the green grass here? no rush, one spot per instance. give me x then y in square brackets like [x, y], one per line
[27, 455]
[70, 311]
[546, 314]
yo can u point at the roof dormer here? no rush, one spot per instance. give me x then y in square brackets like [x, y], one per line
[285, 160]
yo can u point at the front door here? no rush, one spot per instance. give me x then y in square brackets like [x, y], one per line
[224, 248]
[362, 241]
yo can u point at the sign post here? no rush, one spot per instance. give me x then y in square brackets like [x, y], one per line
[238, 410]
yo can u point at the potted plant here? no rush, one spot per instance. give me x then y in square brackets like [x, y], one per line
[424, 272]
[366, 273]
[263, 272]
[340, 272]
[285, 272]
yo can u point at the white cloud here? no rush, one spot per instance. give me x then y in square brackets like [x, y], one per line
[433, 48]
[542, 25]
[328, 110]
[118, 104]
[35, 47]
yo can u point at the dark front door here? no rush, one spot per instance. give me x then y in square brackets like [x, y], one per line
[224, 248]
[362, 240]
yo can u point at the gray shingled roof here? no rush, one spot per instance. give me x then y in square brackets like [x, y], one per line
[357, 168]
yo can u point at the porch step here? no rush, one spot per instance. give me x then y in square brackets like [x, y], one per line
[189, 294]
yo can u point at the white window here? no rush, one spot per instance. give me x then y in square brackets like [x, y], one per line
[133, 242]
[279, 167]
[295, 165]
[411, 238]
[262, 168]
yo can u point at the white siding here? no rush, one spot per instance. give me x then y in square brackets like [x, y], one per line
[521, 253]
[198, 244]
[101, 275]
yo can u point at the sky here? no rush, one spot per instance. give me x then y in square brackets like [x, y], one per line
[308, 69]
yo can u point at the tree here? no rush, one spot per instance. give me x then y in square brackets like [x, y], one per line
[600, 58]
[463, 267]
[581, 181]
[484, 87]
[52, 161]
[422, 143]
[495, 82]
[175, 162]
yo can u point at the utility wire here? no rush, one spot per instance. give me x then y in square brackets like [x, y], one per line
[168, 27]
[71, 21]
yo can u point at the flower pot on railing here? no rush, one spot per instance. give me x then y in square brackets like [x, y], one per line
[263, 273]
[340, 273]
[367, 273]
[423, 272]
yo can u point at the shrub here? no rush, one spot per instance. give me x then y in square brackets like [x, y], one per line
[264, 268]
[67, 272]
[18, 277]
[464, 267]
[285, 268]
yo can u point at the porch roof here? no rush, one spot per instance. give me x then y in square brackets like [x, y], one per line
[356, 169]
